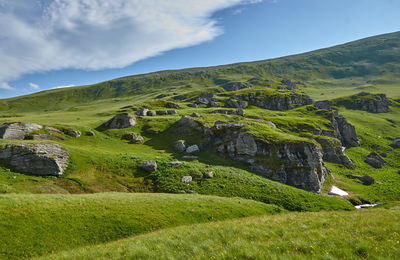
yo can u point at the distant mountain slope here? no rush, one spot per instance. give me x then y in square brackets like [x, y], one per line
[376, 60]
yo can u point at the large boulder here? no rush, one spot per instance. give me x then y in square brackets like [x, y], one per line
[375, 160]
[36, 159]
[119, 121]
[17, 131]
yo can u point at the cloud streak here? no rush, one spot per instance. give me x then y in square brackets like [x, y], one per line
[45, 35]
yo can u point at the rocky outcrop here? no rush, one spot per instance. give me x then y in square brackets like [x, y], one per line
[342, 130]
[233, 103]
[374, 103]
[289, 84]
[332, 152]
[205, 99]
[276, 101]
[119, 121]
[235, 85]
[17, 131]
[36, 159]
[375, 160]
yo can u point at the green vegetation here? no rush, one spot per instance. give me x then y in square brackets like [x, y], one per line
[33, 225]
[370, 234]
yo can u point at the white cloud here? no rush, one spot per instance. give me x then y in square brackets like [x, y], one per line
[4, 85]
[66, 86]
[46, 35]
[34, 86]
[237, 11]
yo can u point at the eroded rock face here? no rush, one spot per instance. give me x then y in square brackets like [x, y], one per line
[374, 103]
[17, 131]
[119, 121]
[277, 101]
[332, 152]
[36, 159]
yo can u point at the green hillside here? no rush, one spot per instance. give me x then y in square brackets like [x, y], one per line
[371, 234]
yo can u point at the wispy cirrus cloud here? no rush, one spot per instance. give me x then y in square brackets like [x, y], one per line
[47, 35]
[34, 86]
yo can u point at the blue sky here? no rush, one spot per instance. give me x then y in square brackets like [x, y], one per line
[50, 43]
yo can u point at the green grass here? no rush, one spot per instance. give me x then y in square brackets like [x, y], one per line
[367, 234]
[33, 225]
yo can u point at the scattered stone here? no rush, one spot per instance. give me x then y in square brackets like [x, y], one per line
[39, 137]
[119, 121]
[187, 179]
[196, 175]
[17, 131]
[192, 149]
[367, 180]
[195, 115]
[398, 171]
[52, 130]
[192, 105]
[149, 166]
[134, 138]
[161, 112]
[190, 191]
[239, 112]
[172, 105]
[384, 155]
[190, 158]
[396, 143]
[375, 160]
[180, 146]
[72, 132]
[209, 175]
[36, 159]
[89, 133]
[335, 191]
[172, 112]
[161, 96]
[175, 163]
[142, 112]
[151, 113]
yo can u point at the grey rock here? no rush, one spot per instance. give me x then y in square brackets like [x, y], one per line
[52, 130]
[332, 152]
[175, 163]
[375, 160]
[233, 103]
[72, 132]
[134, 138]
[239, 112]
[36, 159]
[209, 175]
[172, 105]
[374, 103]
[190, 122]
[192, 149]
[162, 112]
[325, 104]
[172, 112]
[186, 179]
[192, 105]
[142, 112]
[367, 180]
[39, 137]
[89, 133]
[213, 104]
[149, 166]
[17, 131]
[205, 99]
[396, 143]
[384, 155]
[161, 96]
[195, 115]
[190, 158]
[119, 121]
[151, 113]
[180, 146]
[246, 145]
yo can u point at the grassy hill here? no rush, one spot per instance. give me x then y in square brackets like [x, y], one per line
[33, 225]
[370, 234]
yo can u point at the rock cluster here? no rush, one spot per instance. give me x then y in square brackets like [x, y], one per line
[36, 159]
[205, 99]
[119, 121]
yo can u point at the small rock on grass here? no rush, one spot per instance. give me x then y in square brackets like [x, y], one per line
[149, 166]
[186, 179]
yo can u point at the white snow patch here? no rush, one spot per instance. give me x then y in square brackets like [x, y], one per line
[337, 192]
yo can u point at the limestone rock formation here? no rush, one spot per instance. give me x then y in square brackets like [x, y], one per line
[17, 131]
[374, 103]
[119, 121]
[36, 159]
[332, 151]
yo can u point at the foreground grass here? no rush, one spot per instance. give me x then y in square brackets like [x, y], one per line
[369, 234]
[34, 225]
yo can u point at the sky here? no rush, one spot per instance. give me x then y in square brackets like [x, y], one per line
[47, 44]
